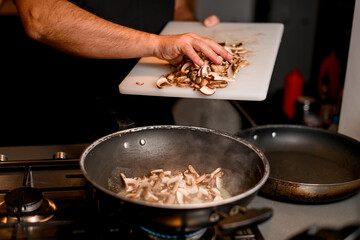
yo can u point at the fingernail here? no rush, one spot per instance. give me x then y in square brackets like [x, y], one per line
[201, 62]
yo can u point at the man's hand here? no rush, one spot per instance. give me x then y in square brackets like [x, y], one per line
[173, 48]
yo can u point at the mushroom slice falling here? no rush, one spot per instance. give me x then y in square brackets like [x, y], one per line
[187, 74]
[181, 188]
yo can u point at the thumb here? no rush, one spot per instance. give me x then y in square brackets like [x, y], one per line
[211, 20]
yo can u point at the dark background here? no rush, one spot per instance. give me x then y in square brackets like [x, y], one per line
[48, 97]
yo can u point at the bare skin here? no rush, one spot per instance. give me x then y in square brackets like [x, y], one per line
[68, 28]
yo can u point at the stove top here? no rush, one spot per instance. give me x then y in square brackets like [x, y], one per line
[67, 208]
[47, 197]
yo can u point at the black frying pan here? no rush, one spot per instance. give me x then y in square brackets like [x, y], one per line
[135, 152]
[308, 165]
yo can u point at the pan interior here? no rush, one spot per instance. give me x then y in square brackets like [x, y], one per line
[307, 155]
[304, 167]
[137, 153]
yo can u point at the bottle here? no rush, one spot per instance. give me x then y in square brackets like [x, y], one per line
[329, 89]
[304, 111]
[329, 78]
[293, 88]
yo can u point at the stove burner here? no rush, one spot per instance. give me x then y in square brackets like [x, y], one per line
[26, 205]
[23, 199]
[202, 234]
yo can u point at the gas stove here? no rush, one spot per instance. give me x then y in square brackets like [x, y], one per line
[45, 196]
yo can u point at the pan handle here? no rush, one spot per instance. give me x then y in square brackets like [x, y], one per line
[248, 218]
[240, 109]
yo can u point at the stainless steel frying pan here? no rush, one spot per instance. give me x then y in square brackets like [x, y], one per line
[308, 165]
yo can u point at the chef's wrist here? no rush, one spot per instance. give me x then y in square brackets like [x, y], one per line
[155, 45]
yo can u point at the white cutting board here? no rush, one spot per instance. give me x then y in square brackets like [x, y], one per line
[262, 40]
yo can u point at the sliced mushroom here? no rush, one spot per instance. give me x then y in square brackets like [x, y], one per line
[170, 77]
[130, 183]
[180, 197]
[244, 63]
[236, 69]
[150, 197]
[216, 171]
[184, 68]
[215, 192]
[218, 198]
[191, 75]
[218, 84]
[219, 182]
[174, 180]
[157, 171]
[207, 91]
[204, 70]
[200, 179]
[186, 187]
[161, 82]
[218, 68]
[171, 199]
[203, 194]
[157, 184]
[192, 170]
[220, 77]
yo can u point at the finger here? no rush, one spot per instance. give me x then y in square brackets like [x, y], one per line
[214, 51]
[221, 51]
[211, 20]
[190, 52]
[214, 57]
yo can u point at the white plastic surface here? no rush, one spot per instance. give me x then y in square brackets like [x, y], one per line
[262, 40]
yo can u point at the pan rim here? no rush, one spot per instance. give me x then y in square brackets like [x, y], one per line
[325, 185]
[295, 126]
[230, 200]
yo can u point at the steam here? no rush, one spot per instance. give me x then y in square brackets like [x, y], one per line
[176, 148]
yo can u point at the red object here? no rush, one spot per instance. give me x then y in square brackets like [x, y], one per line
[293, 88]
[329, 77]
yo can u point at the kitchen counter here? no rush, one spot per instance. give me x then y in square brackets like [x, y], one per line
[290, 219]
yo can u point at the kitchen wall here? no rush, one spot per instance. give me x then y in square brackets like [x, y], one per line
[227, 10]
[350, 110]
[299, 19]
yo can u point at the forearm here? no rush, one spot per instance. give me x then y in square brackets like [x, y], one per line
[71, 29]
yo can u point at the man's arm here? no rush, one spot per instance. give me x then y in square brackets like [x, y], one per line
[69, 28]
